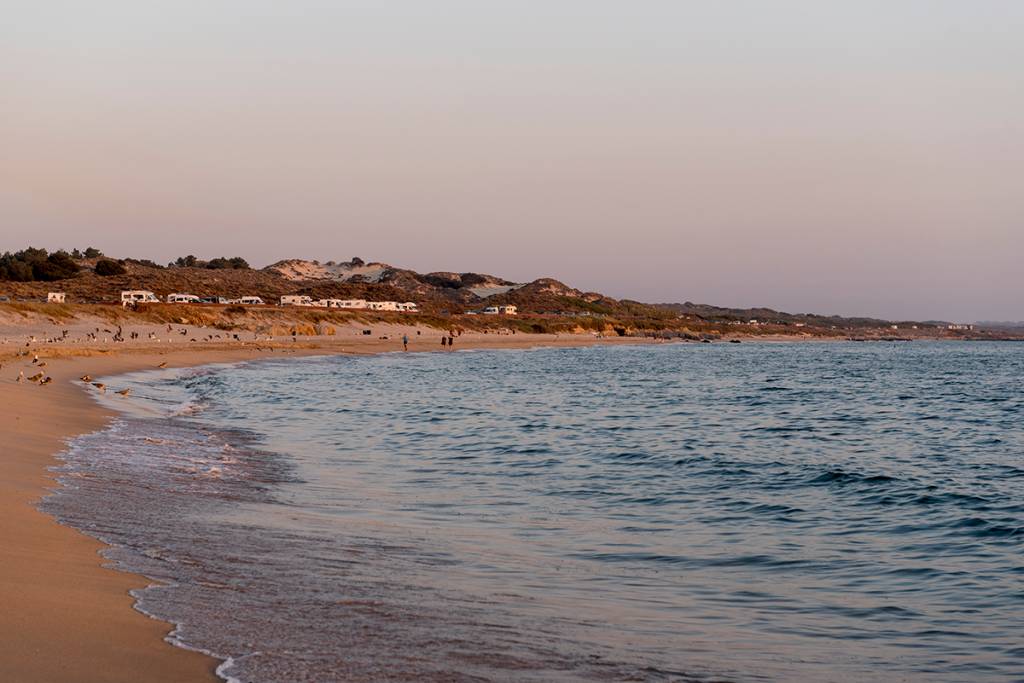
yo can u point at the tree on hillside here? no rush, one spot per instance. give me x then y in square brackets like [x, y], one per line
[93, 252]
[189, 261]
[107, 267]
[234, 263]
[36, 264]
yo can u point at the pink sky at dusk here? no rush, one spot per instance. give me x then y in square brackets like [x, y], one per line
[851, 158]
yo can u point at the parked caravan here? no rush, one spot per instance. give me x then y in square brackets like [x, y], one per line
[138, 296]
[251, 301]
[295, 300]
[56, 298]
[183, 299]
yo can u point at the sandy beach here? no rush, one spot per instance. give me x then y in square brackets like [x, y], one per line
[67, 617]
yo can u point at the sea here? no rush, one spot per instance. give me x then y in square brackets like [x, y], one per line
[668, 512]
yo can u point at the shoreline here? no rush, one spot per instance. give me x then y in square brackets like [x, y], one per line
[69, 614]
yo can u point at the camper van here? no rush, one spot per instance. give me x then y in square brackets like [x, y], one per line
[138, 296]
[342, 303]
[56, 298]
[294, 300]
[408, 307]
[251, 301]
[183, 299]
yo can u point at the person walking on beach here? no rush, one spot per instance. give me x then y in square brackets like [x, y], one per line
[444, 342]
[405, 342]
[451, 341]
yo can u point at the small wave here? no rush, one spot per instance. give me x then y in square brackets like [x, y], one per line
[839, 476]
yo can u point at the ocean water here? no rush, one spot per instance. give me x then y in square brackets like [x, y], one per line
[739, 512]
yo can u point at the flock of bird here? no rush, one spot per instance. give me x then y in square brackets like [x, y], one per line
[117, 335]
[42, 379]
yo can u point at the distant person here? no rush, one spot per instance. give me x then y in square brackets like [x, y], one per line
[444, 342]
[451, 342]
[405, 342]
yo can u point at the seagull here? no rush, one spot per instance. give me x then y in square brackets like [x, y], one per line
[42, 364]
[100, 385]
[21, 376]
[36, 377]
[35, 359]
[162, 365]
[46, 380]
[123, 392]
[85, 378]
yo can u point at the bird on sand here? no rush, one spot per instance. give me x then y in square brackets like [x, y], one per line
[162, 365]
[46, 380]
[42, 364]
[100, 385]
[123, 392]
[35, 359]
[85, 378]
[21, 376]
[36, 377]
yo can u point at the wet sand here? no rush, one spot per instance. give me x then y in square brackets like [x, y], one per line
[65, 616]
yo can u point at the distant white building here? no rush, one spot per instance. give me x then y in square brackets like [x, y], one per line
[56, 297]
[138, 296]
[183, 299]
[959, 326]
[295, 300]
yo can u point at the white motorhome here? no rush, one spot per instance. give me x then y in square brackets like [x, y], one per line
[56, 298]
[183, 299]
[294, 300]
[408, 307]
[382, 305]
[508, 309]
[251, 301]
[342, 303]
[491, 310]
[138, 296]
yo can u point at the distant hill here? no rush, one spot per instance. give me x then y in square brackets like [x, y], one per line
[771, 316]
[447, 292]
[91, 277]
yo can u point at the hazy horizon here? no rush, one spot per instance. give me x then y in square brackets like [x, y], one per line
[857, 159]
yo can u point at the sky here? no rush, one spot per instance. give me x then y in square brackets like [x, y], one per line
[859, 158]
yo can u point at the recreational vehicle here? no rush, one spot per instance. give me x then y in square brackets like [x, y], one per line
[342, 303]
[183, 299]
[408, 307]
[138, 296]
[56, 297]
[214, 300]
[293, 300]
[251, 301]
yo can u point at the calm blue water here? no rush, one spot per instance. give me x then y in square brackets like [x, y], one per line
[752, 512]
